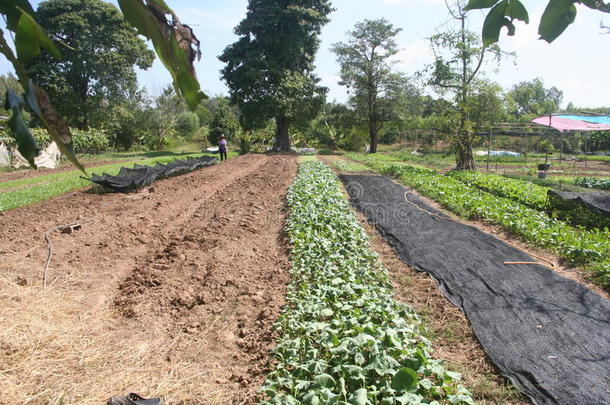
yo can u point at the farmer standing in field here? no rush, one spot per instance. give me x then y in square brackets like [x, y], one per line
[222, 148]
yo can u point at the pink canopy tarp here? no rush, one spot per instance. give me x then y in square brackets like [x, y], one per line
[565, 124]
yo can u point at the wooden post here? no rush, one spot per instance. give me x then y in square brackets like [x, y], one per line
[546, 152]
[488, 148]
[525, 149]
[586, 147]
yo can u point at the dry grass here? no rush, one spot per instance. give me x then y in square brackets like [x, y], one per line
[54, 352]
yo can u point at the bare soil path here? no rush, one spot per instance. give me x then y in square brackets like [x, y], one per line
[171, 292]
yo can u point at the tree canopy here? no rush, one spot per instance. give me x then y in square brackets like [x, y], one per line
[365, 61]
[531, 98]
[269, 68]
[459, 56]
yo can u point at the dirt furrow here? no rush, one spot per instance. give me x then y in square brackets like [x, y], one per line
[116, 228]
[217, 287]
[201, 266]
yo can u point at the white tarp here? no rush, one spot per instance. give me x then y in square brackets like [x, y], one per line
[5, 157]
[497, 153]
[47, 159]
[18, 160]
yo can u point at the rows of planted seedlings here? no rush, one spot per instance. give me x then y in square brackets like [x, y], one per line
[579, 246]
[531, 195]
[593, 182]
[344, 339]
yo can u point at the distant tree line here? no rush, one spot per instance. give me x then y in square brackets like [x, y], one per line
[275, 99]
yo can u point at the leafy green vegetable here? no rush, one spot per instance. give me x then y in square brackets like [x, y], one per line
[344, 340]
[592, 182]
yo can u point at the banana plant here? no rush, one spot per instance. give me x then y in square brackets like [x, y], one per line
[174, 43]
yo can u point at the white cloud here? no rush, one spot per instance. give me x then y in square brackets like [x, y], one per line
[412, 1]
[414, 56]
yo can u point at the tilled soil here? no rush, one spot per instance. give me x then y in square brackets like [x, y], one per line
[171, 292]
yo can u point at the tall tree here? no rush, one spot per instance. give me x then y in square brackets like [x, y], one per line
[459, 56]
[97, 66]
[532, 98]
[366, 68]
[269, 68]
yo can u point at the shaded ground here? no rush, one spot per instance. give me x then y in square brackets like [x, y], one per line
[171, 292]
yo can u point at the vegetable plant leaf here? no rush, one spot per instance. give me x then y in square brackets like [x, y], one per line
[404, 379]
[325, 380]
[359, 397]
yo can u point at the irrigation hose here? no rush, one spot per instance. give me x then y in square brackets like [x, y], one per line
[542, 261]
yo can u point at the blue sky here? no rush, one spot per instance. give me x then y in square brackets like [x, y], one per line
[577, 62]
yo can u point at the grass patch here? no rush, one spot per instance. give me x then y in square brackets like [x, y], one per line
[346, 166]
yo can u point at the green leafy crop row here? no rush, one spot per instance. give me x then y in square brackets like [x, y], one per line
[532, 195]
[579, 246]
[592, 182]
[344, 340]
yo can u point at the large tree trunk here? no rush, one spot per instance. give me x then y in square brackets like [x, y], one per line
[282, 138]
[463, 154]
[373, 136]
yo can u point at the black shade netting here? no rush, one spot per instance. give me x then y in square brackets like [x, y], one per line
[129, 180]
[598, 202]
[548, 334]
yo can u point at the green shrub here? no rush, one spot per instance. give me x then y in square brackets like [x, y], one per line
[187, 124]
[592, 182]
[326, 152]
[90, 141]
